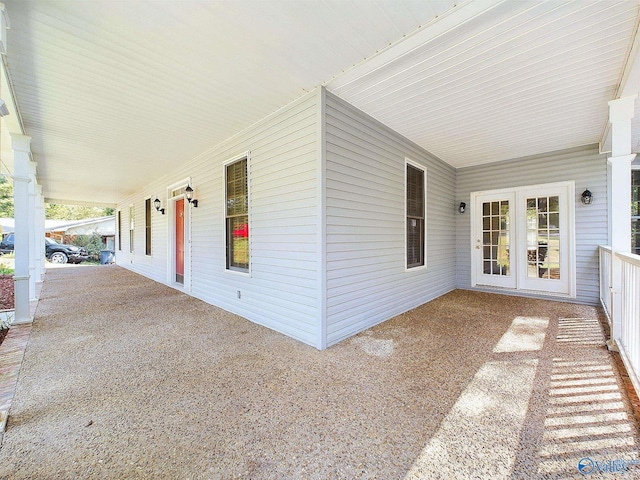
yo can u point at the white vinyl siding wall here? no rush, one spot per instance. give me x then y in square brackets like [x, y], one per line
[366, 278]
[281, 291]
[583, 165]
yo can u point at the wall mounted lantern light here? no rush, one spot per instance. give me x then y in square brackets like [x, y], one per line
[188, 192]
[156, 203]
[462, 207]
[587, 197]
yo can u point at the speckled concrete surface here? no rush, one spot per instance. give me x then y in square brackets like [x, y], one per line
[137, 380]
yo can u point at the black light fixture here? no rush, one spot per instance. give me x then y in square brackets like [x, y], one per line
[188, 192]
[156, 203]
[587, 197]
[462, 207]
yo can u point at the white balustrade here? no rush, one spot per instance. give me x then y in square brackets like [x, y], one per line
[605, 280]
[629, 339]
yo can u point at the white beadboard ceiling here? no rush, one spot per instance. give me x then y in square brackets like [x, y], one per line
[114, 93]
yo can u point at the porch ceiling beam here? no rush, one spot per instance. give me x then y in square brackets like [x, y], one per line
[461, 14]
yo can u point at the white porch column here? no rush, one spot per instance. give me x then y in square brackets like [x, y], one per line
[620, 114]
[23, 224]
[33, 230]
[39, 237]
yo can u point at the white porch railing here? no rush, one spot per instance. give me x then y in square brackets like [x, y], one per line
[629, 339]
[605, 280]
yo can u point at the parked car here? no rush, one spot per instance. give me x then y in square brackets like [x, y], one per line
[55, 252]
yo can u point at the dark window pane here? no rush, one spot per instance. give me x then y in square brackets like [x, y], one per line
[415, 192]
[635, 193]
[635, 236]
[542, 204]
[415, 216]
[147, 226]
[415, 242]
[119, 230]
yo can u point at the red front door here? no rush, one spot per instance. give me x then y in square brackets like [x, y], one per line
[180, 241]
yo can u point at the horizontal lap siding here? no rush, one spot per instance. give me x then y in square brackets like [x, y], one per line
[281, 292]
[585, 166]
[365, 223]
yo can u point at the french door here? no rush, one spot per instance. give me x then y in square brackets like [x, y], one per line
[522, 238]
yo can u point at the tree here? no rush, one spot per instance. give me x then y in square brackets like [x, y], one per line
[56, 211]
[53, 211]
[6, 197]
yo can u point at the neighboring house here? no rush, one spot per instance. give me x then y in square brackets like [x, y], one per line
[65, 231]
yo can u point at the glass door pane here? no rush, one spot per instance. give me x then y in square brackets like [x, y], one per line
[543, 237]
[495, 238]
[494, 247]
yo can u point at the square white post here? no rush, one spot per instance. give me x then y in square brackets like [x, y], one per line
[621, 112]
[33, 230]
[39, 237]
[23, 221]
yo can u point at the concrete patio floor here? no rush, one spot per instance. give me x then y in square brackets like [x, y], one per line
[127, 378]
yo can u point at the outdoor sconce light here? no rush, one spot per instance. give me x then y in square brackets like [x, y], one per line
[156, 203]
[587, 197]
[462, 207]
[189, 194]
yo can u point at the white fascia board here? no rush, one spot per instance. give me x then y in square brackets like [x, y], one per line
[629, 84]
[452, 19]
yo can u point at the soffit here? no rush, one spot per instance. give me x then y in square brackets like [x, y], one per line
[114, 93]
[519, 79]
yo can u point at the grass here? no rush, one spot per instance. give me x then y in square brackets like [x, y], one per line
[7, 264]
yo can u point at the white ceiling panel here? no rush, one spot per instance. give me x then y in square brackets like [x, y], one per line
[136, 86]
[520, 79]
[130, 88]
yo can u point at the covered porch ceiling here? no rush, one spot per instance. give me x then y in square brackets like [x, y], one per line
[114, 93]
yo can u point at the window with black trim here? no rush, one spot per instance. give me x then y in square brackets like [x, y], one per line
[147, 226]
[237, 215]
[131, 227]
[120, 230]
[415, 206]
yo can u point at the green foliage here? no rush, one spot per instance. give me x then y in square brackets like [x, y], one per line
[93, 244]
[6, 270]
[53, 211]
[6, 197]
[56, 211]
